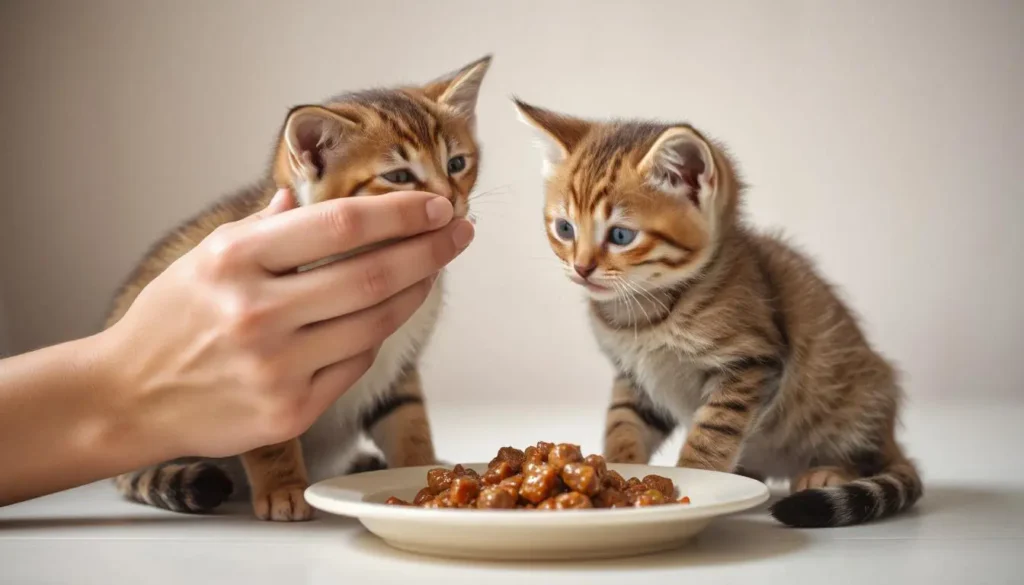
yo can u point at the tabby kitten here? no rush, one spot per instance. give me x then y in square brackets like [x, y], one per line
[707, 321]
[359, 144]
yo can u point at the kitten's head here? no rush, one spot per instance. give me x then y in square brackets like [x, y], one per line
[631, 206]
[379, 141]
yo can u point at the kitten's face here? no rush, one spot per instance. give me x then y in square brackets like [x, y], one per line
[381, 141]
[628, 207]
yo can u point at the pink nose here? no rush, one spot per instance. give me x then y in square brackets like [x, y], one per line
[585, 270]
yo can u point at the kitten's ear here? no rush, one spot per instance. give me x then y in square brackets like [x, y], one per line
[458, 90]
[559, 134]
[681, 163]
[313, 136]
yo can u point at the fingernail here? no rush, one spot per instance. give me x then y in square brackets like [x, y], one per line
[462, 235]
[439, 211]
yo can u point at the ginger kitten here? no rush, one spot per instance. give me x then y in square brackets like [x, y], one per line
[359, 144]
[707, 321]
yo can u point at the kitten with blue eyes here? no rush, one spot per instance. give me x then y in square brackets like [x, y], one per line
[707, 321]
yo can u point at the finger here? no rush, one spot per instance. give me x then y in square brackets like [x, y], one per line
[281, 201]
[328, 342]
[332, 381]
[287, 241]
[367, 279]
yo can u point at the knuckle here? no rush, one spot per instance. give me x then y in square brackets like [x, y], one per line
[387, 323]
[378, 281]
[223, 253]
[246, 318]
[344, 221]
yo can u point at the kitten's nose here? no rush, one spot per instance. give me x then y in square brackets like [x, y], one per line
[585, 270]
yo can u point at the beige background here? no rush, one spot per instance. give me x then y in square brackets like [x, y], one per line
[885, 136]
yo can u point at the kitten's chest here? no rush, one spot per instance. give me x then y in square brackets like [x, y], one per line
[660, 367]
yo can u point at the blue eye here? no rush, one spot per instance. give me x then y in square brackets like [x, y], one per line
[621, 236]
[399, 177]
[456, 164]
[564, 229]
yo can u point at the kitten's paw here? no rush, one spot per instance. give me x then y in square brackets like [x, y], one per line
[820, 477]
[285, 504]
[627, 452]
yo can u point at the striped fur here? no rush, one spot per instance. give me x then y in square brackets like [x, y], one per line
[707, 320]
[358, 144]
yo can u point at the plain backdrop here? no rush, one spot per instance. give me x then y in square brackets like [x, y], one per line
[886, 137]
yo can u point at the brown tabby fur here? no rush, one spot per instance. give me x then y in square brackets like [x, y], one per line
[342, 148]
[707, 320]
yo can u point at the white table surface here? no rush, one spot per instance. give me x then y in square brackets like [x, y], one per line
[969, 528]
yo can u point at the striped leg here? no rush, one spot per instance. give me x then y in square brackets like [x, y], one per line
[399, 426]
[721, 424]
[277, 476]
[635, 427]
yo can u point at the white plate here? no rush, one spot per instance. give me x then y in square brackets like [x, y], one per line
[518, 534]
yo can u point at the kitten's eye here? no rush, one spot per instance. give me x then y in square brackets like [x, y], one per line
[621, 236]
[564, 229]
[399, 177]
[456, 164]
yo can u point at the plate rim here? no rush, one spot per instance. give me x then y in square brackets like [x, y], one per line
[361, 510]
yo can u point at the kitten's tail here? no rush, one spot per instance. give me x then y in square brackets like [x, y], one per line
[180, 487]
[894, 490]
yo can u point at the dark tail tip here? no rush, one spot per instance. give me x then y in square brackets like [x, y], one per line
[366, 462]
[806, 509]
[209, 487]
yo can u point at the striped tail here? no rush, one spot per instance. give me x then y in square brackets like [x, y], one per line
[892, 491]
[180, 487]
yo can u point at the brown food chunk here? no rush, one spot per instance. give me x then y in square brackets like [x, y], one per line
[498, 472]
[439, 479]
[564, 453]
[650, 498]
[460, 471]
[538, 453]
[540, 480]
[613, 480]
[463, 491]
[515, 481]
[581, 478]
[662, 484]
[633, 492]
[598, 463]
[514, 457]
[440, 501]
[497, 497]
[424, 495]
[566, 501]
[611, 498]
[393, 501]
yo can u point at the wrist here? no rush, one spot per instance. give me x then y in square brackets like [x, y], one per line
[116, 422]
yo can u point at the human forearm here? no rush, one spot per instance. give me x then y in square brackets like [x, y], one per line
[64, 422]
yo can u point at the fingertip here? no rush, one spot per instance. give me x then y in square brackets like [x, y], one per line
[281, 201]
[439, 211]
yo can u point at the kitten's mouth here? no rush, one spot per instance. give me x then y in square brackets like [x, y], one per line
[589, 285]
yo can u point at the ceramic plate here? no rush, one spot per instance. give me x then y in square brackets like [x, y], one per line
[519, 534]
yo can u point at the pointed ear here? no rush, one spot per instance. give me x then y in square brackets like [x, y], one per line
[458, 90]
[681, 163]
[313, 137]
[558, 134]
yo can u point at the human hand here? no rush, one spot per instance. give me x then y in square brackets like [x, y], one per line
[230, 348]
